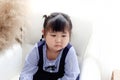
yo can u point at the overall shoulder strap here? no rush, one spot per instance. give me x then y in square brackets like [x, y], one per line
[62, 61]
[40, 62]
[40, 50]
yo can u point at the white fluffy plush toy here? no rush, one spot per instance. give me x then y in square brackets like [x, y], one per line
[12, 22]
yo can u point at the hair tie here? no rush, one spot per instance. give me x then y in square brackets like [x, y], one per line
[45, 16]
[42, 38]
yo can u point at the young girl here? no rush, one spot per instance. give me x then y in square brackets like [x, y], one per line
[53, 58]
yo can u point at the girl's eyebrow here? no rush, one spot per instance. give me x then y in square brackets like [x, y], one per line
[64, 32]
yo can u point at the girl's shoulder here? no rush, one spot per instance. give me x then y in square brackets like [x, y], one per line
[40, 43]
[70, 46]
[71, 49]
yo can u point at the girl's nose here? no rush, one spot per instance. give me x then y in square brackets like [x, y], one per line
[58, 39]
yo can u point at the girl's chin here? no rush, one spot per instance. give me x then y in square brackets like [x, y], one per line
[58, 50]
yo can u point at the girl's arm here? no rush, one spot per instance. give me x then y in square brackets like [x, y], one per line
[30, 66]
[72, 71]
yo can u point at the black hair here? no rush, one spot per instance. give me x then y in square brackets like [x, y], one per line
[57, 22]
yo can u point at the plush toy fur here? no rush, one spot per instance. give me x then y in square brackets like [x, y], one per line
[12, 14]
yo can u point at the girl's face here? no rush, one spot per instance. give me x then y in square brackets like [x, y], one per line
[56, 40]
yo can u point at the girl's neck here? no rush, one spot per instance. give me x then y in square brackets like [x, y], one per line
[52, 55]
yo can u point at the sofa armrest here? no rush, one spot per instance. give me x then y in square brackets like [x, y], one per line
[115, 75]
[10, 62]
[16, 77]
[90, 70]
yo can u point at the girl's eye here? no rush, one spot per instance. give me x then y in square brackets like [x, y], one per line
[63, 35]
[53, 35]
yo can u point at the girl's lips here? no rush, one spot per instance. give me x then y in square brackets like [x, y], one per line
[57, 45]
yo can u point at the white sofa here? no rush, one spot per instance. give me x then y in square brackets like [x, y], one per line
[11, 66]
[10, 62]
[81, 35]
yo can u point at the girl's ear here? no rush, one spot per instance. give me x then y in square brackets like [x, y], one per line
[43, 31]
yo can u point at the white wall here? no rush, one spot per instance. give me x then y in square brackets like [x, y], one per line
[105, 17]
